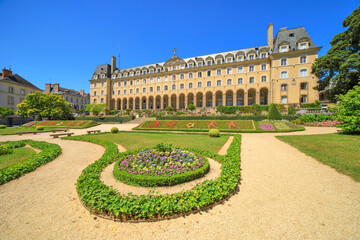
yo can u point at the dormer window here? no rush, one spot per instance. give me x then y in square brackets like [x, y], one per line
[302, 46]
[137, 82]
[229, 60]
[182, 66]
[95, 77]
[103, 76]
[174, 68]
[251, 57]
[263, 55]
[137, 73]
[131, 74]
[218, 61]
[144, 81]
[190, 65]
[199, 64]
[209, 63]
[283, 49]
[240, 58]
[114, 76]
[151, 71]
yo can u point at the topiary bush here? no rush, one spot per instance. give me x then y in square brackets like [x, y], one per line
[5, 149]
[274, 113]
[39, 128]
[169, 108]
[38, 118]
[114, 129]
[214, 133]
[2, 126]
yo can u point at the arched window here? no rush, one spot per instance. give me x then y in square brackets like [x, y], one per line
[208, 84]
[182, 86]
[94, 95]
[102, 92]
[173, 87]
[182, 76]
[174, 77]
[165, 88]
[131, 91]
[263, 78]
[251, 80]
[284, 74]
[144, 90]
[199, 84]
[283, 62]
[190, 85]
[240, 81]
[151, 89]
[190, 75]
[218, 83]
[158, 88]
[199, 74]
[283, 87]
[303, 59]
[119, 92]
[229, 82]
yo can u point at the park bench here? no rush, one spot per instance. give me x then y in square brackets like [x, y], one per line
[56, 135]
[93, 131]
[21, 133]
[59, 130]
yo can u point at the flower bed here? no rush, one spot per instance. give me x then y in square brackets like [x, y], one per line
[63, 124]
[153, 167]
[49, 152]
[329, 123]
[107, 202]
[221, 125]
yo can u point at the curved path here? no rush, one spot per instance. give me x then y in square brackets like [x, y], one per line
[284, 195]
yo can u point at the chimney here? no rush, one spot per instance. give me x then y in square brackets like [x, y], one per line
[113, 64]
[82, 92]
[56, 87]
[6, 73]
[283, 29]
[270, 37]
[47, 87]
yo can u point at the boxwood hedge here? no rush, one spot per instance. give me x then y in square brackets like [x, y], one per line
[153, 181]
[107, 202]
[49, 152]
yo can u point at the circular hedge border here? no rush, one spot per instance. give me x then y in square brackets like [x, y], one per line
[154, 181]
[49, 152]
[106, 202]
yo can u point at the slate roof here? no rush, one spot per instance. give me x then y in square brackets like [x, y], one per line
[292, 36]
[16, 79]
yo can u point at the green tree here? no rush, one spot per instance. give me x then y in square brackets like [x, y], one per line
[341, 64]
[114, 112]
[96, 109]
[191, 107]
[49, 105]
[5, 112]
[349, 111]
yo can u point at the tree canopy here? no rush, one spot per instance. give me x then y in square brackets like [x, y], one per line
[96, 109]
[47, 105]
[341, 64]
[5, 112]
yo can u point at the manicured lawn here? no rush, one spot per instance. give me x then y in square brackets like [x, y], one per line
[132, 141]
[338, 151]
[19, 155]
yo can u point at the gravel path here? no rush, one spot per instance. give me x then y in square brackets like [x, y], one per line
[284, 195]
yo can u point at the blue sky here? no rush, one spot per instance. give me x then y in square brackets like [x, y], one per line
[63, 41]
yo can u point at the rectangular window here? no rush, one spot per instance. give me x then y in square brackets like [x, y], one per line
[263, 67]
[251, 57]
[304, 99]
[240, 81]
[174, 77]
[229, 70]
[190, 65]
[137, 90]
[158, 88]
[151, 89]
[263, 55]
[208, 84]
[283, 87]
[131, 91]
[240, 58]
[229, 60]
[125, 83]
[218, 61]
[283, 49]
[263, 78]
[182, 76]
[283, 62]
[209, 63]
[251, 80]
[199, 64]
[158, 79]
[102, 100]
[303, 46]
[190, 85]
[144, 81]
[218, 82]
[303, 73]
[283, 74]
[303, 59]
[208, 73]
[190, 75]
[240, 69]
[283, 99]
[199, 84]
[151, 80]
[22, 92]
[218, 72]
[199, 74]
[303, 86]
[10, 100]
[166, 78]
[229, 82]
[251, 68]
[119, 84]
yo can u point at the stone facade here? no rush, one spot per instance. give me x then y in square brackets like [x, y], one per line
[78, 100]
[279, 72]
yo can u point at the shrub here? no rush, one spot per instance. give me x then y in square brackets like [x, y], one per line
[191, 107]
[291, 110]
[222, 117]
[349, 111]
[114, 129]
[214, 133]
[308, 118]
[274, 113]
[5, 149]
[179, 113]
[114, 112]
[49, 152]
[162, 147]
[39, 128]
[38, 118]
[169, 108]
[2, 126]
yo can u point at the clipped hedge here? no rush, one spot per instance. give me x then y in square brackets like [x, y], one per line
[107, 202]
[257, 118]
[49, 152]
[154, 181]
[109, 119]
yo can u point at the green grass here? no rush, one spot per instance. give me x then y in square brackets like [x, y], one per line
[133, 141]
[19, 155]
[338, 151]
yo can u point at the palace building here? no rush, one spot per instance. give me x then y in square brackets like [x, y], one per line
[279, 72]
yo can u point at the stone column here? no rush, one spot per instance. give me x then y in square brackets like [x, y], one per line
[214, 100]
[204, 100]
[148, 104]
[234, 99]
[177, 102]
[161, 103]
[257, 98]
[195, 100]
[224, 99]
[186, 101]
[246, 102]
